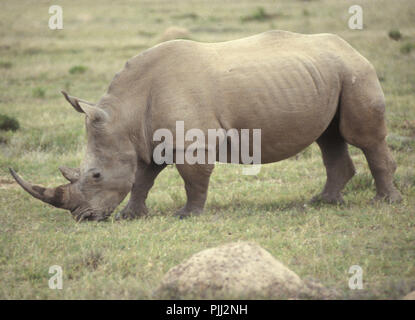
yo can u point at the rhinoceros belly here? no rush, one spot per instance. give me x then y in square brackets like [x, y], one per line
[289, 97]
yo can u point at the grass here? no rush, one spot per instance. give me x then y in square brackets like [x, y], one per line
[6, 65]
[395, 34]
[77, 70]
[39, 92]
[190, 15]
[126, 260]
[259, 14]
[407, 47]
[8, 123]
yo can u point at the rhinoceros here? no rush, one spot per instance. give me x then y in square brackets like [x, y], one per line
[298, 89]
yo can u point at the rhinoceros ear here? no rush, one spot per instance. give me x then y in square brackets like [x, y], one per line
[92, 112]
[75, 102]
[95, 114]
[71, 175]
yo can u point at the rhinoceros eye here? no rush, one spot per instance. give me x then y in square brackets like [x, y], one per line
[94, 173]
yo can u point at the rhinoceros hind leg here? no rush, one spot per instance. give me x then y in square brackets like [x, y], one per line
[196, 180]
[339, 165]
[362, 124]
[383, 167]
[144, 180]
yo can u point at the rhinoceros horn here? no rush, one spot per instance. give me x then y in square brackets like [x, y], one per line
[58, 197]
[70, 174]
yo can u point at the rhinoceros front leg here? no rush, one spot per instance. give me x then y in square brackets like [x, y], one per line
[196, 179]
[144, 180]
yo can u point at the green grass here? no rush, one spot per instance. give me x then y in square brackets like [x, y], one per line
[6, 65]
[395, 34]
[407, 47]
[259, 14]
[126, 260]
[39, 92]
[78, 70]
[8, 123]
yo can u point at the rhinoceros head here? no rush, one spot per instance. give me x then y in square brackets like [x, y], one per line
[106, 174]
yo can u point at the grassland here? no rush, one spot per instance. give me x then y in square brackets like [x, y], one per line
[126, 260]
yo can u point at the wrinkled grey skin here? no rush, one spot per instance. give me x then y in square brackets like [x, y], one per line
[298, 89]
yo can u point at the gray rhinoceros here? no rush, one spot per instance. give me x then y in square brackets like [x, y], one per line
[298, 89]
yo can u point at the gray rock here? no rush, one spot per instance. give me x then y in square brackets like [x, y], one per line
[173, 33]
[240, 270]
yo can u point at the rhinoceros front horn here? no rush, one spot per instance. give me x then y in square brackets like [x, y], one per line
[57, 197]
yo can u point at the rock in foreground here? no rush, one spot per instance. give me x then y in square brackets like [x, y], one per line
[241, 270]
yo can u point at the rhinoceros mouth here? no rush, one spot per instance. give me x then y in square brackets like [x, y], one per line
[88, 214]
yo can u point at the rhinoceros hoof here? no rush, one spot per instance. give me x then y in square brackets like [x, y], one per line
[129, 213]
[393, 197]
[185, 212]
[327, 198]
